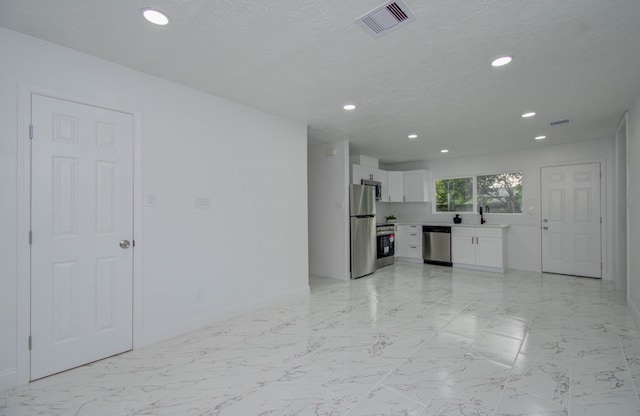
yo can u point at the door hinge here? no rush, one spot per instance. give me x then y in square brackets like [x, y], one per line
[31, 131]
[30, 342]
[133, 243]
[600, 220]
[30, 237]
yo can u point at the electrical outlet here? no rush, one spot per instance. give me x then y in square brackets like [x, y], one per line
[151, 200]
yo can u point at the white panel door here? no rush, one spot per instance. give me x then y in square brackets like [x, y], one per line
[82, 208]
[571, 220]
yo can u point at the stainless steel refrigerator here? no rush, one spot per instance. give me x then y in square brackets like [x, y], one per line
[362, 210]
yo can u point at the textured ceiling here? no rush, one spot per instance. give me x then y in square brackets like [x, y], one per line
[304, 59]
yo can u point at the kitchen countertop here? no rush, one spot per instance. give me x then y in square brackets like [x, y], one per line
[450, 224]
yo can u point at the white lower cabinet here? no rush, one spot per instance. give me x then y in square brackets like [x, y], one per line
[463, 249]
[478, 248]
[408, 243]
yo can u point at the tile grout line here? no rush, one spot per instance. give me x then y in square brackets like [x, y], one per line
[380, 383]
[506, 384]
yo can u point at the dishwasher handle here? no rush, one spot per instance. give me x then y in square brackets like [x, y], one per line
[436, 229]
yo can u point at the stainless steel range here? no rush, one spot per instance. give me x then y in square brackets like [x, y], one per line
[385, 240]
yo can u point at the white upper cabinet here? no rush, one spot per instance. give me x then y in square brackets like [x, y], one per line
[394, 181]
[415, 184]
[397, 186]
[356, 174]
[367, 173]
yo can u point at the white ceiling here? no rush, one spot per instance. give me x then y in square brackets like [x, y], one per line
[305, 59]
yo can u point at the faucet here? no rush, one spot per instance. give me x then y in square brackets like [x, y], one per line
[482, 221]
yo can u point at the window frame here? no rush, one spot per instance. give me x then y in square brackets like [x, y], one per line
[474, 179]
[521, 196]
[434, 208]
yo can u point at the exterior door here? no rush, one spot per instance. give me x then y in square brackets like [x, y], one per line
[571, 220]
[81, 211]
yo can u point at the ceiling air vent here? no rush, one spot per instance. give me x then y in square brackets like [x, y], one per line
[559, 122]
[391, 15]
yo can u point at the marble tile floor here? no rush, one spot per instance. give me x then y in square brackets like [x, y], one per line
[409, 340]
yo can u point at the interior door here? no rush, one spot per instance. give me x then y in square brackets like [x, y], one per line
[571, 222]
[81, 220]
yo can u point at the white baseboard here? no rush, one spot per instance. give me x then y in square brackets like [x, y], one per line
[634, 310]
[410, 260]
[213, 318]
[479, 268]
[8, 379]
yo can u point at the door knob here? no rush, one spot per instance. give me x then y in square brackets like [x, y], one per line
[545, 228]
[124, 244]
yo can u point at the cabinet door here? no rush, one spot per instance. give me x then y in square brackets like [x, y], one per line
[414, 241]
[356, 174]
[401, 241]
[368, 173]
[394, 181]
[489, 247]
[414, 183]
[463, 245]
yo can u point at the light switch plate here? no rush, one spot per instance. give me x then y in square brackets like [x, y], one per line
[202, 202]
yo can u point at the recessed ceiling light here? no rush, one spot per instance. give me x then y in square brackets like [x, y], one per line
[349, 107]
[444, 151]
[540, 137]
[502, 61]
[413, 136]
[155, 17]
[527, 115]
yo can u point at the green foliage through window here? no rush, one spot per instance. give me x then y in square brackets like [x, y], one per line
[454, 195]
[501, 193]
[498, 193]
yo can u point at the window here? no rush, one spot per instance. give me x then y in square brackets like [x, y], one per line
[454, 195]
[501, 193]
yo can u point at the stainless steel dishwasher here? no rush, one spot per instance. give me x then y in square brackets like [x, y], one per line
[436, 245]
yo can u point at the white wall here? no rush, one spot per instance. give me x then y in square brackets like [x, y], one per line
[633, 203]
[524, 239]
[248, 250]
[328, 208]
[619, 264]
